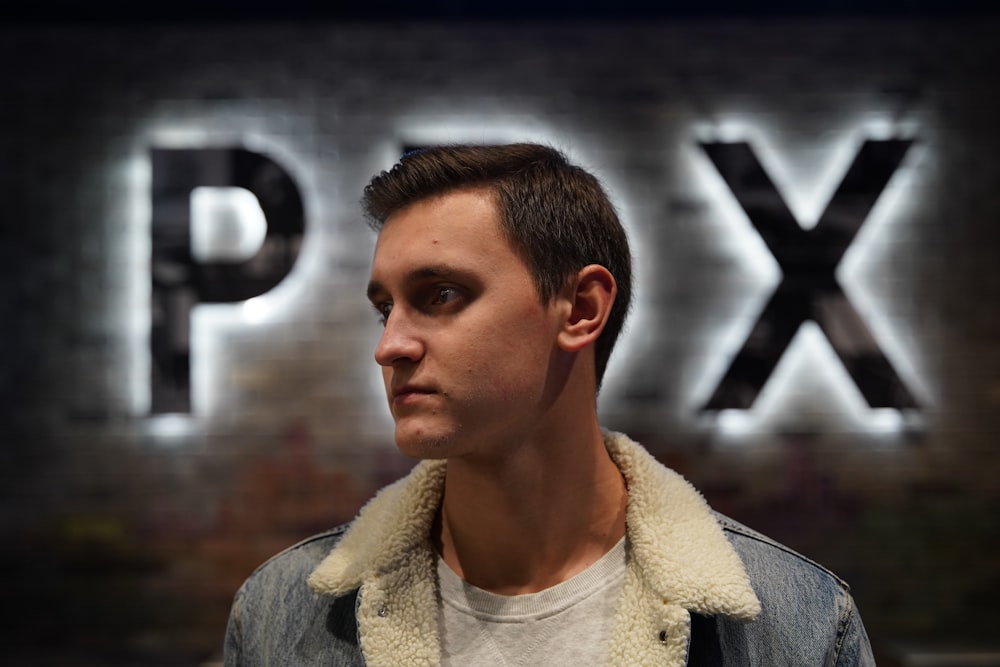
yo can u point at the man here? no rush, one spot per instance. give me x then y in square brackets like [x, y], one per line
[527, 535]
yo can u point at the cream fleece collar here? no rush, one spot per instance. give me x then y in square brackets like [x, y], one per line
[675, 541]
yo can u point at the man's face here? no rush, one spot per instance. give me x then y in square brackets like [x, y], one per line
[467, 346]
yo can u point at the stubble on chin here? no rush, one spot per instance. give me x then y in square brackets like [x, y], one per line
[424, 444]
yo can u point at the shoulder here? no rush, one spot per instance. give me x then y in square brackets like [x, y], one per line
[799, 599]
[766, 559]
[275, 613]
[293, 565]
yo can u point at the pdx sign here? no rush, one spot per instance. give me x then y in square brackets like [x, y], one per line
[808, 259]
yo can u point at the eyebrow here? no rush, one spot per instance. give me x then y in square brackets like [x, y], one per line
[434, 271]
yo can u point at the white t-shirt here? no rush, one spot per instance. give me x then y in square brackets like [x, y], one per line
[567, 624]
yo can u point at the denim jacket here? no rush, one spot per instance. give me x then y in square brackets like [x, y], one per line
[700, 589]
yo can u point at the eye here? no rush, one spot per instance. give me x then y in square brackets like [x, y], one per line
[383, 310]
[444, 295]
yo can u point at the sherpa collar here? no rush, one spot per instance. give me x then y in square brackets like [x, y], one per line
[674, 538]
[388, 528]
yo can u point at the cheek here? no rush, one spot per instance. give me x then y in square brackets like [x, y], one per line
[511, 358]
[503, 351]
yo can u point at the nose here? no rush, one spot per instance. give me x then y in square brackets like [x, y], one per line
[399, 341]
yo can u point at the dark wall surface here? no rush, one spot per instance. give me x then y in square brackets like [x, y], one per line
[123, 535]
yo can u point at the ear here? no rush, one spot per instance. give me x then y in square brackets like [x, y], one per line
[590, 296]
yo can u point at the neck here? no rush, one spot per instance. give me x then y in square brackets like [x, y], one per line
[542, 513]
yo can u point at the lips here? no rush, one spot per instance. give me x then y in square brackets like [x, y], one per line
[409, 393]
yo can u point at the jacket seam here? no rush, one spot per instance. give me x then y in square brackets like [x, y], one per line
[844, 625]
[333, 532]
[730, 526]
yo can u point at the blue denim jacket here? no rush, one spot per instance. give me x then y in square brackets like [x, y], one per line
[700, 589]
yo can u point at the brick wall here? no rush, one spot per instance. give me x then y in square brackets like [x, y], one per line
[138, 530]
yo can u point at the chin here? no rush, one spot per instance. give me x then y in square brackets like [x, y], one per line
[424, 444]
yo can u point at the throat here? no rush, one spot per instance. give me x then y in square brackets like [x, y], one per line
[512, 541]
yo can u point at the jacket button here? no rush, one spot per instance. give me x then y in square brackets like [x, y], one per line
[663, 636]
[382, 611]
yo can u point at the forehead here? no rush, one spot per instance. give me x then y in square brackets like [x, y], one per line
[456, 227]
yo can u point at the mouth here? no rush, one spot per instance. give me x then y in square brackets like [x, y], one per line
[409, 393]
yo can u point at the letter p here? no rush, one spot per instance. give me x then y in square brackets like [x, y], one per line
[183, 277]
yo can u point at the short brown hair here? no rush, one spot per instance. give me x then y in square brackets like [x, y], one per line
[554, 213]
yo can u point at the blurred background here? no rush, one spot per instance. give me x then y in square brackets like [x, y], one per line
[187, 383]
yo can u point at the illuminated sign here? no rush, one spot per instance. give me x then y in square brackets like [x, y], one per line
[809, 290]
[228, 223]
[201, 252]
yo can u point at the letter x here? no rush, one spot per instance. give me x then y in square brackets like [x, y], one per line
[809, 288]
